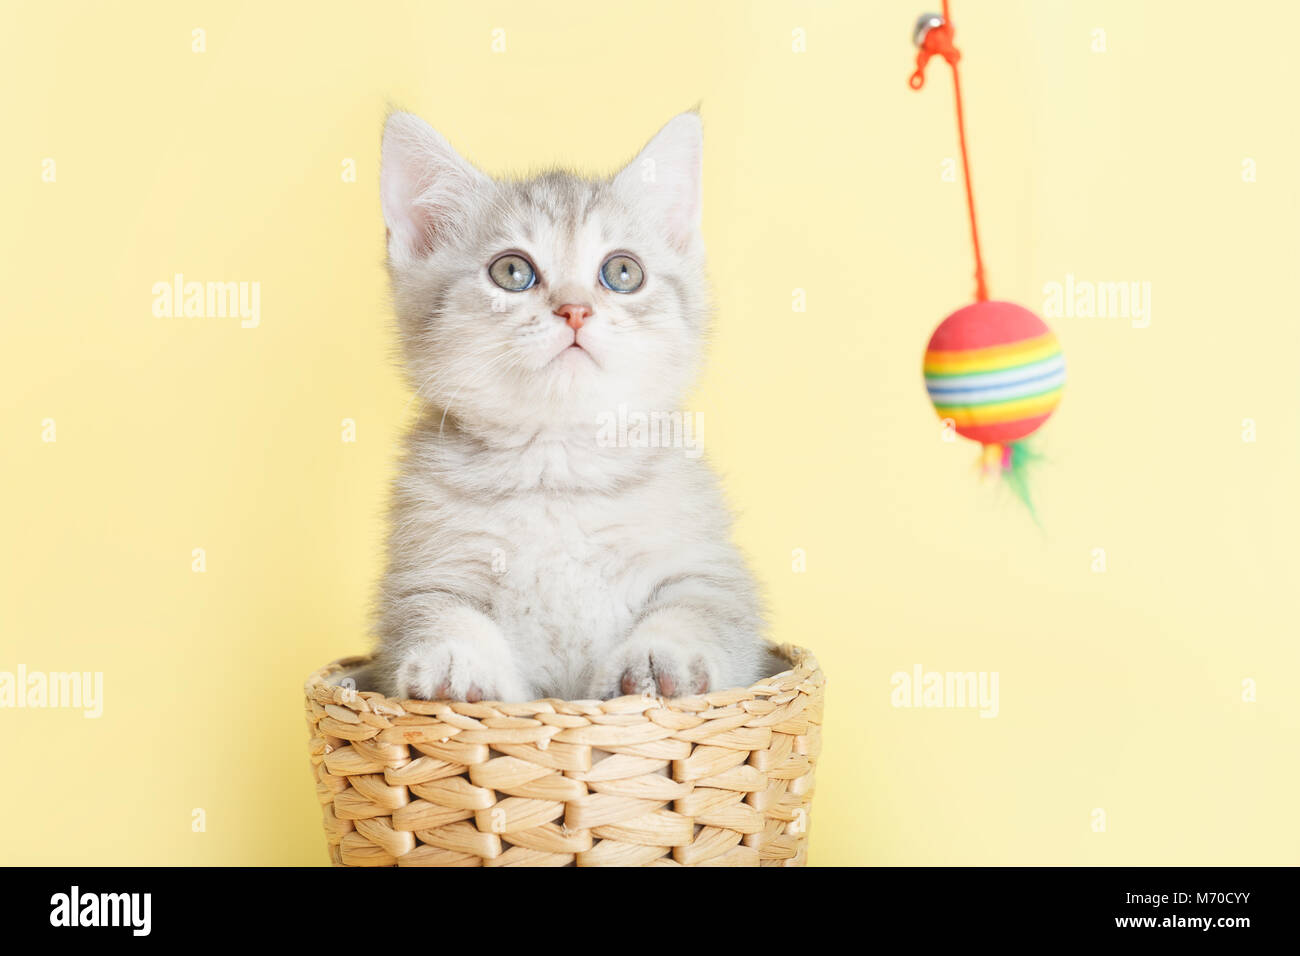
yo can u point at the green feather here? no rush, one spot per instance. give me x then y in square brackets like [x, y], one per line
[1024, 458]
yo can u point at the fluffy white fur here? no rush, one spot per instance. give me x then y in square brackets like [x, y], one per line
[525, 559]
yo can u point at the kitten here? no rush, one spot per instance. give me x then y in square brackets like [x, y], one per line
[527, 557]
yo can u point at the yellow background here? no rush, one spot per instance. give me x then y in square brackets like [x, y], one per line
[1119, 690]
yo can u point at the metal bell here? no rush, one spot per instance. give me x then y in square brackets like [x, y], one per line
[924, 24]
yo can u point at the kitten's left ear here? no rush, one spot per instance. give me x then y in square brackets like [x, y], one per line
[665, 178]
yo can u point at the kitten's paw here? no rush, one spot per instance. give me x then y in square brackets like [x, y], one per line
[659, 661]
[664, 671]
[453, 669]
[471, 662]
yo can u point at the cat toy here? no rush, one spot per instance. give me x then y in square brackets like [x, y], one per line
[993, 369]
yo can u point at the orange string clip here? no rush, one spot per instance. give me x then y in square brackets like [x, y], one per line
[937, 41]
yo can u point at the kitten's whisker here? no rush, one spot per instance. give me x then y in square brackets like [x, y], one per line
[483, 369]
[435, 395]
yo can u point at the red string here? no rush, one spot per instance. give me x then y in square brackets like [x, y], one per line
[938, 42]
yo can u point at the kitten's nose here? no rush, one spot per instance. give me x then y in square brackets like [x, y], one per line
[575, 316]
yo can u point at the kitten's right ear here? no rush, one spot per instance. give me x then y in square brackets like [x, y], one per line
[425, 187]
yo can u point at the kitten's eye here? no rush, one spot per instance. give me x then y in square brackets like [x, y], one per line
[513, 272]
[621, 273]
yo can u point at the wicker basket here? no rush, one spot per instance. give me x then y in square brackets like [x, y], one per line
[723, 779]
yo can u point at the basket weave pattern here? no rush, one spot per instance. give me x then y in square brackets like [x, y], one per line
[721, 779]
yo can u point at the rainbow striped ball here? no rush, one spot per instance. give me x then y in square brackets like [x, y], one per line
[996, 370]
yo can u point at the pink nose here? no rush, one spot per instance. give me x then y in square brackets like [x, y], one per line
[575, 316]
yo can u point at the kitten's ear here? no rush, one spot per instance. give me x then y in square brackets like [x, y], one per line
[665, 178]
[424, 185]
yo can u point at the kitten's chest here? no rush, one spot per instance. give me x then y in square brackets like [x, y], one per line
[566, 583]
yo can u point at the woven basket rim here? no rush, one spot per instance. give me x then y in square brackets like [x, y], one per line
[803, 676]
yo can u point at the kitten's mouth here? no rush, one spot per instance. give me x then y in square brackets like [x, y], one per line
[574, 349]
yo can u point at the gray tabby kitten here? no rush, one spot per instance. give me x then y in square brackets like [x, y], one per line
[528, 557]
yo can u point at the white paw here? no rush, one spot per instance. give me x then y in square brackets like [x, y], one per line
[661, 660]
[468, 661]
